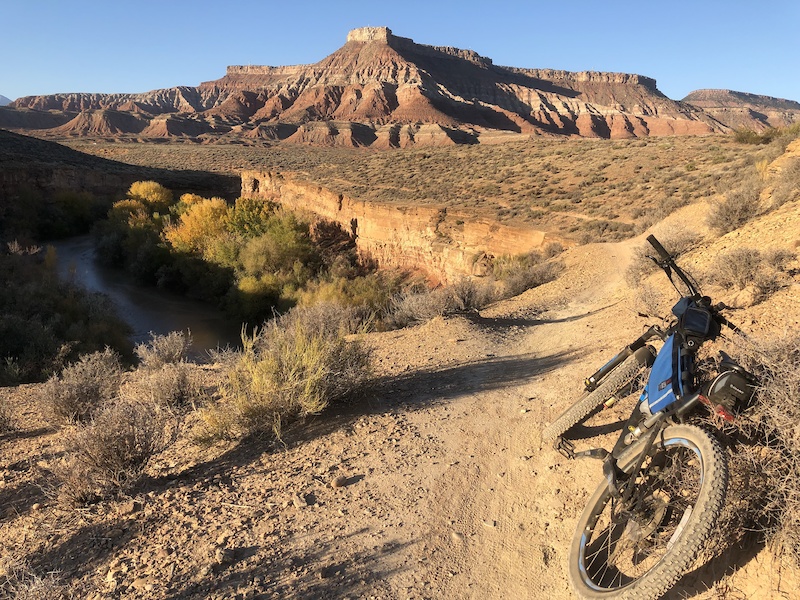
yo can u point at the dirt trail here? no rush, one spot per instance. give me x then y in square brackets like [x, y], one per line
[446, 491]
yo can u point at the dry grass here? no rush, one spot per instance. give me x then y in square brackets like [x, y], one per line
[161, 350]
[83, 387]
[18, 581]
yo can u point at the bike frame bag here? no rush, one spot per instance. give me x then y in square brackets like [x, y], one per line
[669, 377]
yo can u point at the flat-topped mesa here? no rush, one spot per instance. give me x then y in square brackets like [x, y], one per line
[370, 34]
[588, 76]
[384, 35]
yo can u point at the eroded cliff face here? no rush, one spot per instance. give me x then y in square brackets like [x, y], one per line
[444, 244]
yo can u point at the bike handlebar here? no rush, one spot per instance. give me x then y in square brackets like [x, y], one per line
[669, 265]
[659, 248]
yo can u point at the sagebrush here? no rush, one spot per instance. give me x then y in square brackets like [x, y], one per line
[110, 453]
[290, 368]
[83, 387]
[171, 348]
[771, 425]
[745, 267]
[172, 386]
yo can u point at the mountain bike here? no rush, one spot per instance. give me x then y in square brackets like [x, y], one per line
[665, 479]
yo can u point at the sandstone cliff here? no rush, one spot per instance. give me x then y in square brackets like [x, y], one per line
[441, 242]
[372, 90]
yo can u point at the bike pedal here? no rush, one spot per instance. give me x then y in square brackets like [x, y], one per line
[565, 447]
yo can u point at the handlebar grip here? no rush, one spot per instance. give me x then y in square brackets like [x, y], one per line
[659, 248]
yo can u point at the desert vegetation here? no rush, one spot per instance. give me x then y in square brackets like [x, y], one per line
[294, 366]
[250, 257]
[587, 189]
[255, 259]
[121, 456]
[114, 421]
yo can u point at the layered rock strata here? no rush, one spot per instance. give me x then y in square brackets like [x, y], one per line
[442, 243]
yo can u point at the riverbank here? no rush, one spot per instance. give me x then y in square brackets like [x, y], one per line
[146, 309]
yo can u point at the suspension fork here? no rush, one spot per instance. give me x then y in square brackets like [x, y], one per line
[594, 380]
[616, 477]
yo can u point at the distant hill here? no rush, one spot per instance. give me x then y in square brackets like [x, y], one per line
[743, 110]
[4, 101]
[378, 90]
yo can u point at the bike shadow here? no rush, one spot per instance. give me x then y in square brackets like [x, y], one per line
[727, 562]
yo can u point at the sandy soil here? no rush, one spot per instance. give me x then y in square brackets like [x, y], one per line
[445, 489]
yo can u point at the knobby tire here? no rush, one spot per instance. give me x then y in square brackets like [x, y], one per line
[638, 551]
[618, 379]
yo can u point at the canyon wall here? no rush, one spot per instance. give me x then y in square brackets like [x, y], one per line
[443, 243]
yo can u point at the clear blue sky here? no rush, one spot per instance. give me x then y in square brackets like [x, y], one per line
[51, 46]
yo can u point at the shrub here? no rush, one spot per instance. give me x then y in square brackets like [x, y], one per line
[772, 423]
[83, 386]
[737, 207]
[171, 348]
[415, 305]
[170, 386]
[6, 415]
[530, 277]
[740, 268]
[113, 450]
[18, 581]
[371, 292]
[288, 369]
[520, 273]
[45, 322]
[736, 268]
[786, 187]
[747, 136]
[468, 294]
[411, 307]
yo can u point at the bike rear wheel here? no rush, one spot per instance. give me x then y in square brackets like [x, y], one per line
[640, 549]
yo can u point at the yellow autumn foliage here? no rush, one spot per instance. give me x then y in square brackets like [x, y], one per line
[152, 194]
[199, 226]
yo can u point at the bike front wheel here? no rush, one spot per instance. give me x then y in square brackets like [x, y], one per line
[638, 548]
[622, 376]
